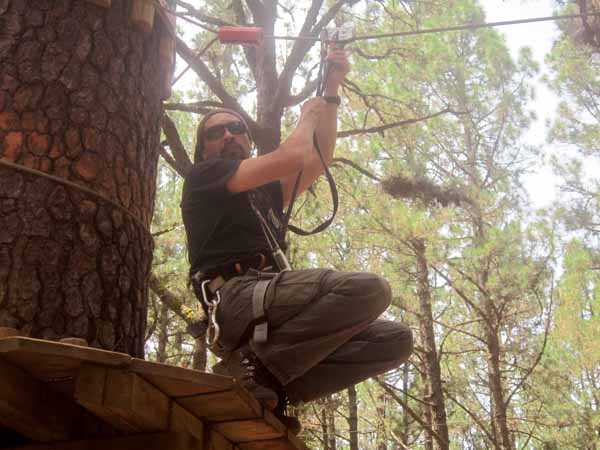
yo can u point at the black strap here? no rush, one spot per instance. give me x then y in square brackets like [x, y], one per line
[334, 198]
[324, 69]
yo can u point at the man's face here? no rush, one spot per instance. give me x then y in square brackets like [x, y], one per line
[225, 136]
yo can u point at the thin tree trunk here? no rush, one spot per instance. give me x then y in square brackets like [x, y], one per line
[331, 423]
[199, 357]
[79, 100]
[405, 422]
[381, 436]
[353, 417]
[325, 426]
[499, 410]
[163, 333]
[427, 411]
[435, 396]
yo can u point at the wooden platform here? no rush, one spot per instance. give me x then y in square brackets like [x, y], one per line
[65, 397]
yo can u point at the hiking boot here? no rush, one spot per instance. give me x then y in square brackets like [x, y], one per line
[291, 423]
[245, 366]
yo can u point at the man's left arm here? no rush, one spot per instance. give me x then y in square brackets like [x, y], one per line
[326, 130]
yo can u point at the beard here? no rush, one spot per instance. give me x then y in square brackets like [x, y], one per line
[234, 151]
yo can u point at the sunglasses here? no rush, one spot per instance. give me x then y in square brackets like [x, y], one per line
[218, 131]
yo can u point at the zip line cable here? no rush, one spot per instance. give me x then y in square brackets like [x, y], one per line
[445, 29]
[405, 33]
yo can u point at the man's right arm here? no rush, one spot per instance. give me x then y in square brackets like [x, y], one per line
[287, 159]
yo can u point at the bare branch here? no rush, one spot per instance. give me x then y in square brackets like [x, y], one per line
[472, 416]
[298, 52]
[197, 107]
[355, 166]
[171, 161]
[249, 51]
[387, 126]
[409, 410]
[167, 230]
[211, 81]
[310, 87]
[175, 144]
[201, 16]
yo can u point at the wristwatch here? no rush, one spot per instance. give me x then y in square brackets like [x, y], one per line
[335, 99]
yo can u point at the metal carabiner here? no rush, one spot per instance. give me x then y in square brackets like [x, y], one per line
[213, 331]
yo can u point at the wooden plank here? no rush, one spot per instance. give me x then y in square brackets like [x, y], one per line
[273, 444]
[182, 420]
[261, 429]
[136, 401]
[142, 15]
[103, 3]
[235, 404]
[160, 441]
[50, 361]
[179, 382]
[29, 407]
[218, 442]
[89, 393]
[123, 399]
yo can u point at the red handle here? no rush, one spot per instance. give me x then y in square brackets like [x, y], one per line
[241, 35]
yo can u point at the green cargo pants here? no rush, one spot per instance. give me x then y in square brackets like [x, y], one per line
[324, 331]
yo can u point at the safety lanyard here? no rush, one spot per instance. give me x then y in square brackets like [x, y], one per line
[324, 69]
[278, 255]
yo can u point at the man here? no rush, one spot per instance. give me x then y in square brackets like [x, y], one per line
[321, 333]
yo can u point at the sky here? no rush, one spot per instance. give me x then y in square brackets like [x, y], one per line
[540, 183]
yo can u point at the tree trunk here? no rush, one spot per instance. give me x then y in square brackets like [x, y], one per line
[381, 432]
[79, 100]
[435, 396]
[427, 411]
[353, 417]
[499, 413]
[495, 382]
[199, 355]
[325, 426]
[405, 424]
[163, 333]
[331, 423]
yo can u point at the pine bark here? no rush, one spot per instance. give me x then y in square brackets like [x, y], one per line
[435, 395]
[79, 100]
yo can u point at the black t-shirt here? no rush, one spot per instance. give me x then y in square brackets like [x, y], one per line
[221, 226]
